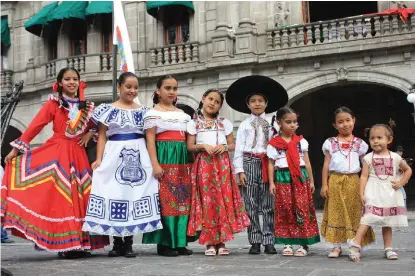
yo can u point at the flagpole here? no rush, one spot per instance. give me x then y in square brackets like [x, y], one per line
[114, 61]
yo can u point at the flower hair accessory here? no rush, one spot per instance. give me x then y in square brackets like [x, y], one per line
[81, 91]
[55, 86]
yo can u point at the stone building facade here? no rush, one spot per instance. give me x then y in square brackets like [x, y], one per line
[223, 42]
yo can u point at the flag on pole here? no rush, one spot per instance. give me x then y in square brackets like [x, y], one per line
[122, 40]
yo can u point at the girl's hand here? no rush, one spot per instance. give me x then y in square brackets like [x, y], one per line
[96, 164]
[272, 188]
[324, 191]
[209, 149]
[219, 149]
[242, 178]
[363, 199]
[396, 185]
[12, 154]
[312, 187]
[83, 141]
[158, 171]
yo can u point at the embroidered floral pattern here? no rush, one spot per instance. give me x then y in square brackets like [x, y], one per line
[337, 146]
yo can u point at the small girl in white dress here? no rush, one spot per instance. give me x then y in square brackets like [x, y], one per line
[380, 191]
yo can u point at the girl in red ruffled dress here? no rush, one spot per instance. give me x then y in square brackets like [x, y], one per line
[217, 210]
[45, 191]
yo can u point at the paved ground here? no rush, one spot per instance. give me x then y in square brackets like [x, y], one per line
[22, 260]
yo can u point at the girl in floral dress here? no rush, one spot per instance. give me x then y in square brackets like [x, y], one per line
[165, 127]
[380, 185]
[45, 191]
[217, 210]
[124, 195]
[291, 181]
[342, 209]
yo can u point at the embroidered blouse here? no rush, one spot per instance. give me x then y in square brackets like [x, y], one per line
[166, 121]
[119, 120]
[345, 156]
[213, 133]
[280, 156]
[63, 123]
[384, 167]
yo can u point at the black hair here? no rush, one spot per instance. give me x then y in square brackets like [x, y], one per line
[59, 78]
[388, 128]
[342, 109]
[121, 79]
[256, 94]
[399, 148]
[199, 108]
[156, 98]
[280, 115]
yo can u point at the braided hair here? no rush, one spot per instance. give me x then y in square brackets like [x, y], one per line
[82, 104]
[199, 112]
[156, 98]
[279, 115]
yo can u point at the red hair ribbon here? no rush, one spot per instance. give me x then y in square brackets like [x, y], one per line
[81, 91]
[55, 87]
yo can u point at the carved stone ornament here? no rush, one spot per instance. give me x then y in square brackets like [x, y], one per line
[342, 74]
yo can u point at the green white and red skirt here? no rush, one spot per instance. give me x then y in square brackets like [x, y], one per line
[295, 215]
[217, 210]
[174, 192]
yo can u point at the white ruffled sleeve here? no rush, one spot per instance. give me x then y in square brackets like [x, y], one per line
[228, 127]
[304, 145]
[272, 152]
[191, 127]
[368, 158]
[151, 119]
[326, 147]
[363, 148]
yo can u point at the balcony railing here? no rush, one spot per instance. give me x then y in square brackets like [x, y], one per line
[337, 30]
[106, 62]
[175, 54]
[77, 62]
[6, 80]
[50, 69]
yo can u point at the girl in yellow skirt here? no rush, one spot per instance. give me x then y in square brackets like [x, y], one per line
[340, 185]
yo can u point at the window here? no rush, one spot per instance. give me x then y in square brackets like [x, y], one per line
[50, 36]
[4, 63]
[338, 9]
[77, 37]
[106, 32]
[176, 24]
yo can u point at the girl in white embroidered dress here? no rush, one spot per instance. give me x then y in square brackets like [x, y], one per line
[379, 191]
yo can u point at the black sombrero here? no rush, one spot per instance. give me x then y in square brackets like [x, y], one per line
[239, 91]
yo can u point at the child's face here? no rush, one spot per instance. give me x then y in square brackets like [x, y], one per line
[344, 123]
[257, 104]
[168, 91]
[288, 124]
[70, 83]
[129, 89]
[379, 139]
[212, 102]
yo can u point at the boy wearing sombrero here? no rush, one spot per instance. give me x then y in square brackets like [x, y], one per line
[256, 95]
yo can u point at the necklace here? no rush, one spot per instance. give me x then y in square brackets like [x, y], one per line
[174, 109]
[373, 164]
[348, 145]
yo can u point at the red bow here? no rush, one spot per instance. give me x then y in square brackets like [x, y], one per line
[81, 91]
[55, 87]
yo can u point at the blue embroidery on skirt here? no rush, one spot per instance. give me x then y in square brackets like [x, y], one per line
[130, 172]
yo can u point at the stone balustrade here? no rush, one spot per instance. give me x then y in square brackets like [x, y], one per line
[77, 62]
[6, 80]
[175, 54]
[106, 62]
[50, 69]
[339, 30]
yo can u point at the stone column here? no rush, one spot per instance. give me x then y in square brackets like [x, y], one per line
[94, 49]
[246, 34]
[222, 40]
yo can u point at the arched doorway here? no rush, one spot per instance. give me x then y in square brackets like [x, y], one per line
[187, 109]
[12, 133]
[372, 103]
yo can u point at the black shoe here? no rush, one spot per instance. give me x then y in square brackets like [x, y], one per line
[118, 248]
[128, 247]
[270, 249]
[72, 254]
[166, 251]
[255, 249]
[184, 251]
